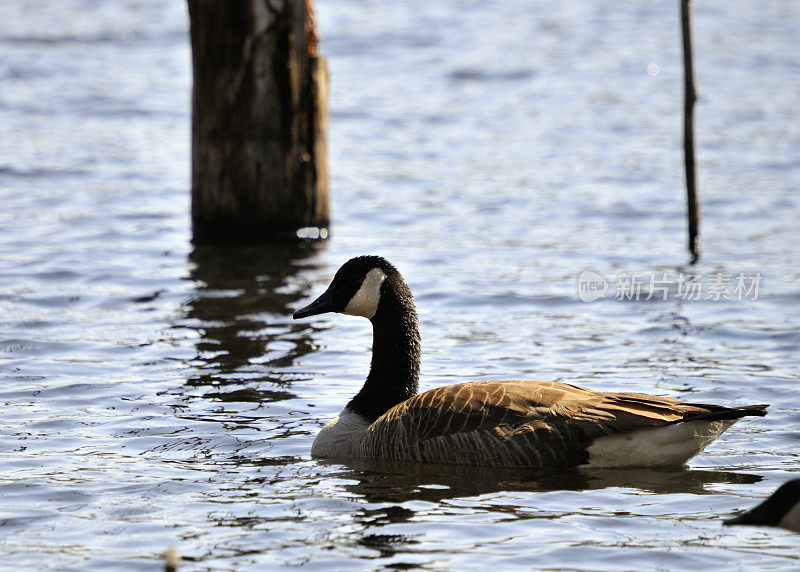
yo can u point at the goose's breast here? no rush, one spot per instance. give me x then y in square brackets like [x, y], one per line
[342, 436]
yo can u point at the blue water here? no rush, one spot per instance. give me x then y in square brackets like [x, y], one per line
[157, 395]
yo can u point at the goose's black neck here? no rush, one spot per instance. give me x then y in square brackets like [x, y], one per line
[394, 371]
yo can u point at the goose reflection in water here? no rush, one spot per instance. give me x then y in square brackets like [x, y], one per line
[383, 481]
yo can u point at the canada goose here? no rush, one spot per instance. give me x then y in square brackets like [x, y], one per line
[781, 509]
[515, 424]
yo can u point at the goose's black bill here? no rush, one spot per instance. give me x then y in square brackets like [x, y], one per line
[321, 305]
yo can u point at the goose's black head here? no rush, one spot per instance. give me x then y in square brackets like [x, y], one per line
[356, 289]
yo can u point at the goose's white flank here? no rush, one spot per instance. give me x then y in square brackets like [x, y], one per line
[517, 424]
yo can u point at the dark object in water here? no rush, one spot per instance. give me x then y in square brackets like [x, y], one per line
[781, 509]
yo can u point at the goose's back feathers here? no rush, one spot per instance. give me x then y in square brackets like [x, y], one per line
[541, 424]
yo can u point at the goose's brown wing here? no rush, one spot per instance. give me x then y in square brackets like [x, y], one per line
[517, 423]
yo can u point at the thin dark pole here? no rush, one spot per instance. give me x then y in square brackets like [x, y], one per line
[690, 96]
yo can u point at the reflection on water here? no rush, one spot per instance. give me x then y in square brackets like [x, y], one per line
[393, 488]
[401, 514]
[400, 482]
[241, 310]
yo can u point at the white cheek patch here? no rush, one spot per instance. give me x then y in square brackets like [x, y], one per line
[365, 301]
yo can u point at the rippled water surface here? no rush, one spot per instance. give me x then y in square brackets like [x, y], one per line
[154, 394]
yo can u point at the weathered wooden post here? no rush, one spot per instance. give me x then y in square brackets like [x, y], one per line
[690, 96]
[259, 121]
